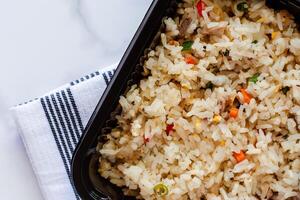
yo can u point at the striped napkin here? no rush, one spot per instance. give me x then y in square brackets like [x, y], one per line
[51, 126]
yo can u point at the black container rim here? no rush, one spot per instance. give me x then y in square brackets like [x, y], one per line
[86, 146]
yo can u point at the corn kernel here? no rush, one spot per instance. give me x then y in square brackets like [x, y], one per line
[261, 20]
[218, 11]
[278, 87]
[159, 67]
[217, 119]
[196, 137]
[222, 143]
[186, 85]
[228, 34]
[274, 35]
[197, 123]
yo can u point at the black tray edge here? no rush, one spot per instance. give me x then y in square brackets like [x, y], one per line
[85, 149]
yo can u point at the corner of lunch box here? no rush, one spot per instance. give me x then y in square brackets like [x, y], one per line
[86, 179]
[293, 6]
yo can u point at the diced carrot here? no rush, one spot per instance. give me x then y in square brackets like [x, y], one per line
[233, 112]
[240, 156]
[189, 59]
[246, 95]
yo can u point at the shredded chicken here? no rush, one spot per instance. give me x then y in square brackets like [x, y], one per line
[185, 23]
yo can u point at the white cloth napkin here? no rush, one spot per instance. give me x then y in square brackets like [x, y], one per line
[51, 126]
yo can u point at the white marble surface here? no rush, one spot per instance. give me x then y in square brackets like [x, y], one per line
[43, 44]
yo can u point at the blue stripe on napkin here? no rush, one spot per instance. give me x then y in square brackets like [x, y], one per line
[73, 104]
[58, 122]
[64, 119]
[105, 78]
[106, 75]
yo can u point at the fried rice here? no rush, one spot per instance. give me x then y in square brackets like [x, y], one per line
[217, 115]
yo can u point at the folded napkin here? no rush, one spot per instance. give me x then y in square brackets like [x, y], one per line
[51, 126]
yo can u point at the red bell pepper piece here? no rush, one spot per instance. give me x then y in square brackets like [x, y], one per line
[200, 7]
[170, 127]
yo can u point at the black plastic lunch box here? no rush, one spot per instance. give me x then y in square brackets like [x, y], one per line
[88, 183]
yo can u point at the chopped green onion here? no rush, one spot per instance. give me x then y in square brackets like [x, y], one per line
[161, 189]
[187, 45]
[254, 42]
[242, 6]
[209, 85]
[254, 78]
[285, 90]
